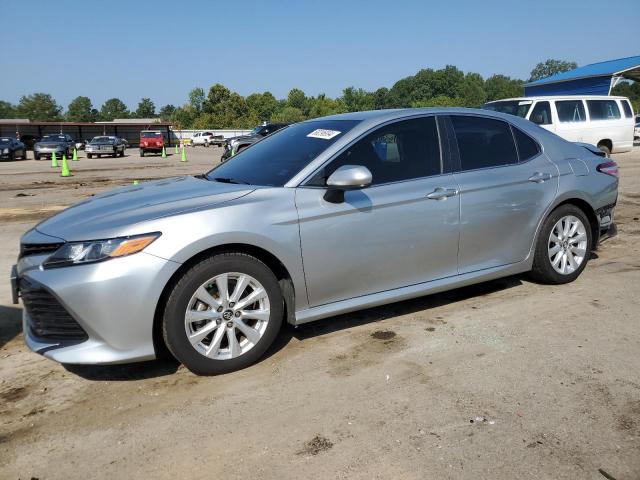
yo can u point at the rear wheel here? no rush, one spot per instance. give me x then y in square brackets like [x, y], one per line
[142, 153]
[563, 247]
[223, 314]
[89, 155]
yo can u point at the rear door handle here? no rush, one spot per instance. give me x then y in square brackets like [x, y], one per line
[442, 193]
[540, 177]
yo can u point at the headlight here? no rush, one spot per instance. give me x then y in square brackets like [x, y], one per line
[6, 150]
[80, 253]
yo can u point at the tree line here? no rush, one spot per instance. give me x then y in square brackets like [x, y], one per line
[219, 107]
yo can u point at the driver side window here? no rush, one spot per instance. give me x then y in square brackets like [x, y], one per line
[399, 151]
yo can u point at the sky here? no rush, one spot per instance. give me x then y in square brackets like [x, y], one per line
[162, 49]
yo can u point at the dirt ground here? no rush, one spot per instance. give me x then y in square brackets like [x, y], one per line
[504, 380]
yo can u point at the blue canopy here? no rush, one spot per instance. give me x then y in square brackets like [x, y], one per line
[593, 79]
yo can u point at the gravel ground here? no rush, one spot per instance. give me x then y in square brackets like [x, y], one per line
[508, 379]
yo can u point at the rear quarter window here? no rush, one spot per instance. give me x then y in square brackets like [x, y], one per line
[626, 107]
[527, 146]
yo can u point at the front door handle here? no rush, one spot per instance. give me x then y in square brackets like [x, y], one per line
[540, 177]
[442, 193]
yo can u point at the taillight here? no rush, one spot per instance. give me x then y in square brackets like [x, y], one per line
[609, 168]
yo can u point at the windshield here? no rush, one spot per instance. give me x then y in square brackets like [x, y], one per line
[256, 130]
[102, 140]
[150, 134]
[519, 108]
[54, 138]
[276, 159]
[5, 141]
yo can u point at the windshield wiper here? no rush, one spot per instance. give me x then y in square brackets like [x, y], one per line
[230, 180]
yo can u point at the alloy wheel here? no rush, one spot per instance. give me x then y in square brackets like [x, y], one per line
[227, 316]
[567, 246]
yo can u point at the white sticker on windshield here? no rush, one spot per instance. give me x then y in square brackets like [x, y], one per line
[325, 134]
[525, 102]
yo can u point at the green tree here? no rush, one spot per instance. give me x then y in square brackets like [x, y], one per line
[81, 110]
[146, 109]
[321, 106]
[262, 105]
[196, 99]
[498, 87]
[439, 101]
[297, 99]
[381, 98]
[214, 103]
[357, 99]
[166, 112]
[38, 107]
[472, 90]
[183, 117]
[551, 67]
[7, 110]
[113, 108]
[289, 115]
[631, 90]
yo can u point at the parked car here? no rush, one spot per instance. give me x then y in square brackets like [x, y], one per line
[235, 145]
[10, 149]
[604, 121]
[380, 206]
[105, 145]
[636, 132]
[206, 139]
[60, 143]
[29, 140]
[151, 141]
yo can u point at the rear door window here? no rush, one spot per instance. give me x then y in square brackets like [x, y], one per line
[571, 111]
[603, 109]
[541, 114]
[483, 142]
[527, 146]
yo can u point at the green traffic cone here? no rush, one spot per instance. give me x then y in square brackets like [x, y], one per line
[183, 157]
[176, 151]
[65, 167]
[75, 155]
[164, 153]
[54, 160]
[136, 182]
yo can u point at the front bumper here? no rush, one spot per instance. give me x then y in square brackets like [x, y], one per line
[114, 302]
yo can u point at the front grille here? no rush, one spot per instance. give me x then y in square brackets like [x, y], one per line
[48, 319]
[38, 248]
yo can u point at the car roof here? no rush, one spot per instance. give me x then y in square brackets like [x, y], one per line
[561, 97]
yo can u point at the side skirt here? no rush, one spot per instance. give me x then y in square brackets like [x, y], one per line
[412, 291]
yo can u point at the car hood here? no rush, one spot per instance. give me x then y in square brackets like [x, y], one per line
[108, 214]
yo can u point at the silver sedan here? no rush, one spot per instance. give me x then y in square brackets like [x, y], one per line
[321, 218]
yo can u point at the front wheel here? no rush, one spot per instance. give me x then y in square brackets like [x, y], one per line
[223, 314]
[563, 246]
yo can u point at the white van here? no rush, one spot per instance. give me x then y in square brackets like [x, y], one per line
[601, 120]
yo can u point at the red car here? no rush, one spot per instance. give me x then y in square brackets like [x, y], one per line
[151, 141]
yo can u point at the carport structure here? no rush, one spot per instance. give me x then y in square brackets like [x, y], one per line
[594, 79]
[128, 129]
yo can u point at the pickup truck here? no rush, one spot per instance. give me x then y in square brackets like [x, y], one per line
[206, 139]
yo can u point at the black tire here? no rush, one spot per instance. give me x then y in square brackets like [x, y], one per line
[605, 149]
[542, 269]
[173, 321]
[36, 156]
[142, 153]
[99, 155]
[89, 155]
[122, 153]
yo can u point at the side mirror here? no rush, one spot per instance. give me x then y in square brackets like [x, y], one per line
[347, 177]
